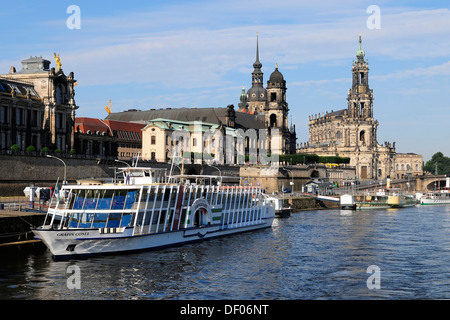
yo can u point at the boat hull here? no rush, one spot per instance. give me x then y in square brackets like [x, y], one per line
[430, 202]
[80, 242]
[372, 206]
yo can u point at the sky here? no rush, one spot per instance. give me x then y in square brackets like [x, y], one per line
[169, 54]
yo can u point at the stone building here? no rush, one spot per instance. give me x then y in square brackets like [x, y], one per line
[263, 110]
[37, 106]
[271, 102]
[352, 132]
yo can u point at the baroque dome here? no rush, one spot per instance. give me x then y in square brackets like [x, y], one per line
[257, 94]
[276, 76]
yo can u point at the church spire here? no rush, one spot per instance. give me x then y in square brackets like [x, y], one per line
[360, 53]
[257, 75]
[257, 65]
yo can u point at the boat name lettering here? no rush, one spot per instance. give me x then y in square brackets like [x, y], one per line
[72, 234]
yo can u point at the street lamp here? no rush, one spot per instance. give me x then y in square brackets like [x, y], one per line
[115, 174]
[65, 167]
[220, 172]
[123, 162]
[292, 180]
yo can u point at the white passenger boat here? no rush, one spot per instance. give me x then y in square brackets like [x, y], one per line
[147, 212]
[435, 198]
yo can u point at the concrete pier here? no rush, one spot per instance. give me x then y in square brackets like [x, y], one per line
[15, 226]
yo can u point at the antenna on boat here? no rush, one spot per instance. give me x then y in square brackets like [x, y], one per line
[137, 159]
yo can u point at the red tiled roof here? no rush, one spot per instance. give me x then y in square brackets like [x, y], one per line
[125, 130]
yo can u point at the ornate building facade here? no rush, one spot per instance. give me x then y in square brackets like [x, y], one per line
[37, 106]
[352, 132]
[263, 111]
[271, 102]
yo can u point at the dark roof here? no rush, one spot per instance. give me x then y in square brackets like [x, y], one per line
[21, 88]
[336, 113]
[276, 77]
[260, 94]
[35, 65]
[208, 115]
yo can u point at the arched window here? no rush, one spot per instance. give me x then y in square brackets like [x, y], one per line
[273, 120]
[362, 136]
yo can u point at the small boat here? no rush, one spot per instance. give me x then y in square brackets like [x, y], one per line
[435, 198]
[149, 210]
[401, 201]
[372, 202]
[280, 209]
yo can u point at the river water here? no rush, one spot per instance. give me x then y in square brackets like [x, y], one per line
[325, 254]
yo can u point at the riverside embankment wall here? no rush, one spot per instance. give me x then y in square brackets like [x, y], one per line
[18, 172]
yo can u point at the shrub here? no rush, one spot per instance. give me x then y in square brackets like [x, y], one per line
[58, 151]
[45, 149]
[31, 149]
[15, 147]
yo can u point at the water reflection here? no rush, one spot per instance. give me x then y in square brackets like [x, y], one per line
[311, 255]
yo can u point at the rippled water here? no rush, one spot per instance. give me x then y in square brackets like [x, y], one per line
[311, 255]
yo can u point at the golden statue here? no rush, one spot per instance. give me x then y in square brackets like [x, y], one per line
[108, 107]
[58, 61]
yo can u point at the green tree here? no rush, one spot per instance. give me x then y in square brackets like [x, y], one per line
[442, 162]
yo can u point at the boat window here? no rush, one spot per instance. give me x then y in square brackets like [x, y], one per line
[91, 199]
[100, 220]
[86, 220]
[118, 201]
[73, 222]
[114, 219]
[126, 220]
[130, 199]
[79, 200]
[104, 202]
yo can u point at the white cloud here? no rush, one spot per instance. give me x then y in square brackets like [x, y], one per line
[431, 71]
[201, 57]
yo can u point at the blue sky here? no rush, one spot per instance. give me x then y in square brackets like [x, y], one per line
[158, 54]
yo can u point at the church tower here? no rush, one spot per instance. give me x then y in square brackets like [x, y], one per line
[360, 96]
[362, 130]
[277, 108]
[257, 94]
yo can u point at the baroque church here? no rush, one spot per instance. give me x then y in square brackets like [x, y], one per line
[271, 102]
[352, 132]
[258, 109]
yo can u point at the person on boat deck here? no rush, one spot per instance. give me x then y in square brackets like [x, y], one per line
[127, 179]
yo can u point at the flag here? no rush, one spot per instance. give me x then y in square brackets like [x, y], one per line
[57, 189]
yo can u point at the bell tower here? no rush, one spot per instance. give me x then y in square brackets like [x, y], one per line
[277, 107]
[257, 94]
[360, 96]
